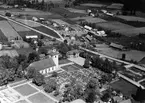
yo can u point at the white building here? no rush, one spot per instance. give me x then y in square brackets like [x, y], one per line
[46, 66]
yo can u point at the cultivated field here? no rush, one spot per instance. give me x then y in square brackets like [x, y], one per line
[131, 31]
[28, 22]
[131, 18]
[8, 31]
[89, 19]
[113, 25]
[18, 27]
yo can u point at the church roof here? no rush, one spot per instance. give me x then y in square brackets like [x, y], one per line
[42, 64]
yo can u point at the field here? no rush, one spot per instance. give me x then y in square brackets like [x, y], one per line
[47, 31]
[18, 27]
[113, 26]
[125, 87]
[60, 22]
[40, 98]
[65, 61]
[3, 38]
[89, 19]
[131, 31]
[28, 22]
[93, 5]
[131, 18]
[8, 31]
[25, 89]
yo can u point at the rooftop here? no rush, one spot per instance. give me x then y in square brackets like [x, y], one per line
[42, 64]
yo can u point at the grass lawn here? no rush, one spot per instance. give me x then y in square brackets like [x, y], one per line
[47, 31]
[25, 89]
[64, 61]
[22, 101]
[40, 98]
[125, 87]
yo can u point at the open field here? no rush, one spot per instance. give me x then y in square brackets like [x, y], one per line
[131, 18]
[113, 25]
[25, 89]
[131, 31]
[89, 19]
[40, 98]
[8, 31]
[28, 22]
[18, 27]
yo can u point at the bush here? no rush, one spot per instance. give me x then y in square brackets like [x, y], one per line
[54, 74]
[56, 93]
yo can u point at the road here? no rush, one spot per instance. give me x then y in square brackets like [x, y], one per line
[26, 26]
[111, 58]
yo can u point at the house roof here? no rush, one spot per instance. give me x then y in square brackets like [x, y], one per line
[116, 46]
[42, 64]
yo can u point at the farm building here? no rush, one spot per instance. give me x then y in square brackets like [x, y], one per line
[117, 46]
[46, 66]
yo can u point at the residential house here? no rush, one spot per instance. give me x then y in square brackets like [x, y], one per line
[117, 46]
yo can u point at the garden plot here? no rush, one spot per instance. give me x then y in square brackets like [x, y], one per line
[76, 10]
[40, 98]
[93, 5]
[89, 19]
[131, 31]
[25, 89]
[9, 96]
[11, 53]
[8, 31]
[28, 22]
[113, 26]
[18, 27]
[131, 18]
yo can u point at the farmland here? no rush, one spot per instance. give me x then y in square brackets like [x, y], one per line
[113, 25]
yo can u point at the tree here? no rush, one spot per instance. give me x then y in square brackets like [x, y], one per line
[21, 58]
[40, 43]
[44, 51]
[30, 72]
[19, 72]
[33, 57]
[50, 85]
[3, 77]
[38, 79]
[54, 74]
[86, 63]
[91, 91]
